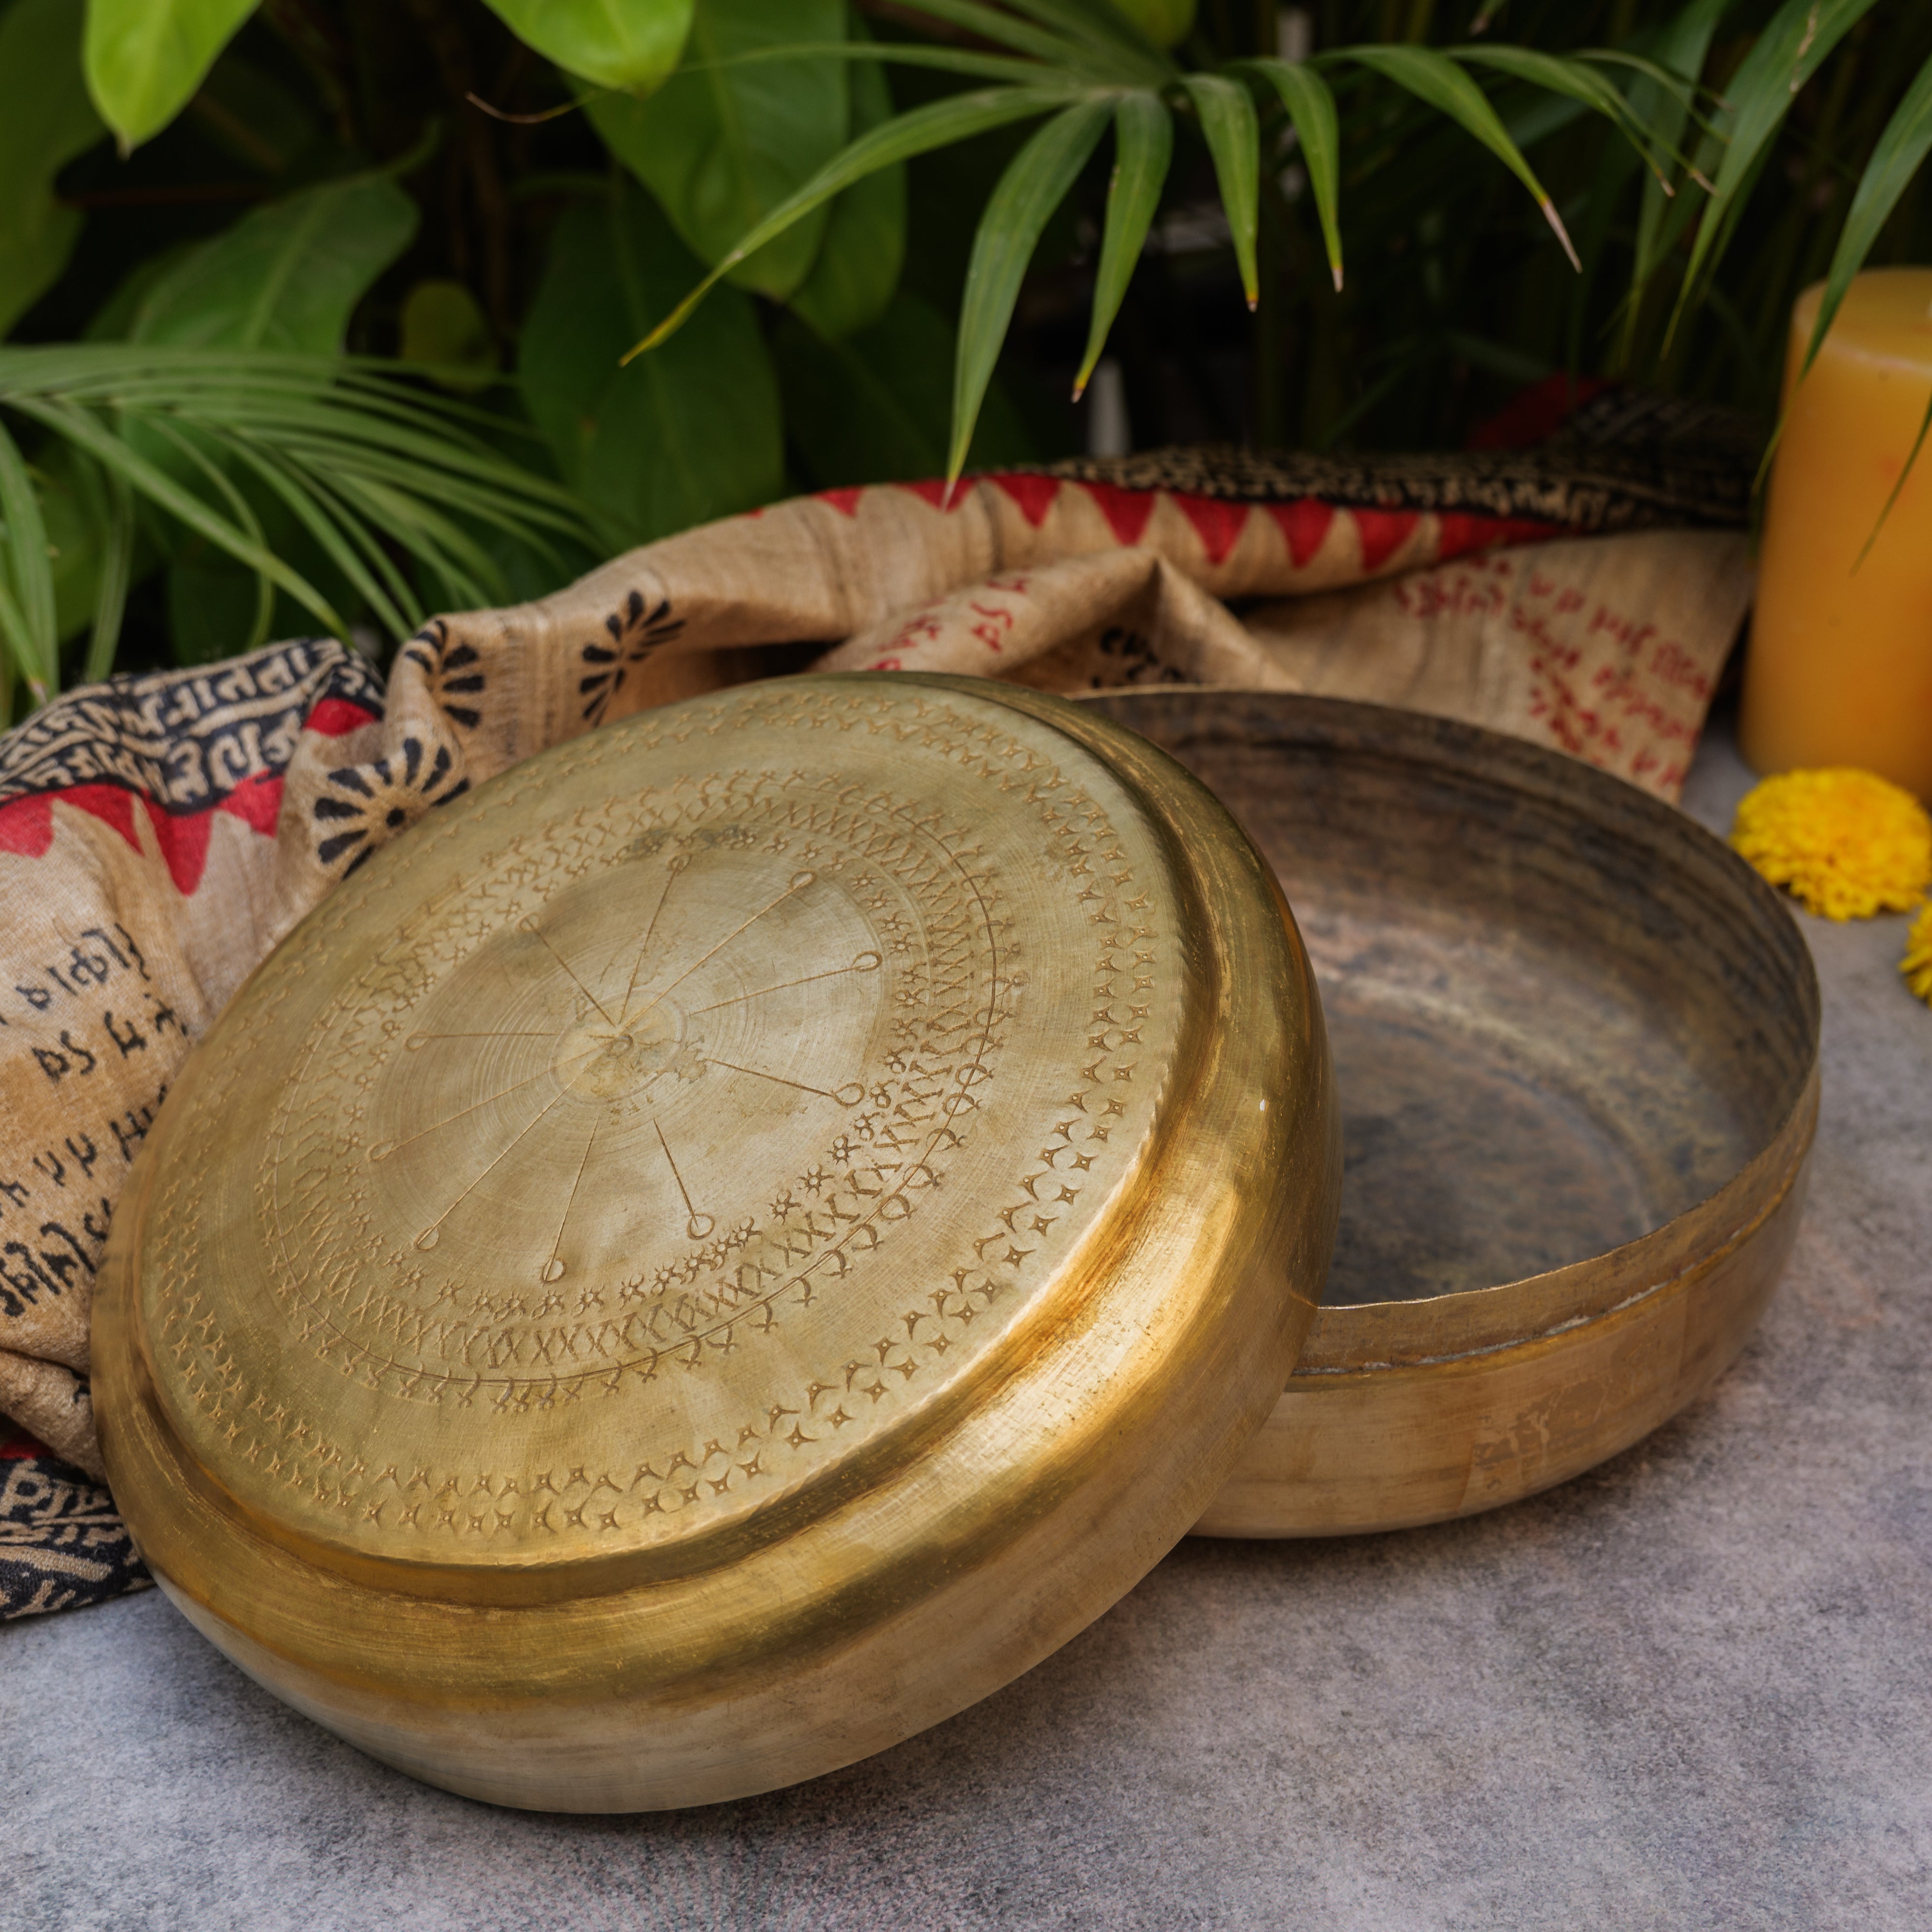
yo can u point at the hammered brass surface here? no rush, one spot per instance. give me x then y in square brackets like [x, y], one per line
[1575, 1041]
[726, 1245]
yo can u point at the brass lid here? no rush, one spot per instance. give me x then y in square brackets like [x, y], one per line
[726, 1244]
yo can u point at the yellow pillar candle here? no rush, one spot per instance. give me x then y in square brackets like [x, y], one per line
[1840, 668]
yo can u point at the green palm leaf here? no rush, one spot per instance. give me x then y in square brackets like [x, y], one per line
[1034, 184]
[1003, 29]
[1682, 48]
[1759, 95]
[1436, 79]
[115, 577]
[27, 601]
[1578, 81]
[1143, 148]
[939, 125]
[1227, 112]
[1311, 107]
[373, 471]
[1901, 148]
[1107, 30]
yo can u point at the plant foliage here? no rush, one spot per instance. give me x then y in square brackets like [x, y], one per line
[319, 313]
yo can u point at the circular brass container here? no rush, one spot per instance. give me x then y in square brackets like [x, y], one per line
[726, 1245]
[1576, 1041]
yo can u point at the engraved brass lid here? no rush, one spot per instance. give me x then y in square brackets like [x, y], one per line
[725, 1245]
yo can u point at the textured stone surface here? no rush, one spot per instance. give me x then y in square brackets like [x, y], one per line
[1693, 1688]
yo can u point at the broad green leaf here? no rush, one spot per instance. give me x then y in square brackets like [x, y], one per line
[1165, 22]
[631, 45]
[46, 120]
[1435, 79]
[442, 326]
[1311, 106]
[721, 145]
[146, 58]
[941, 123]
[858, 261]
[1901, 148]
[1227, 112]
[1758, 96]
[876, 407]
[286, 276]
[1035, 183]
[1143, 148]
[675, 438]
[112, 320]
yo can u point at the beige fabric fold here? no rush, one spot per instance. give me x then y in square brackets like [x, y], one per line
[158, 836]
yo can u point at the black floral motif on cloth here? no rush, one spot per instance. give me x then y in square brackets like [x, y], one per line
[61, 1545]
[636, 631]
[186, 740]
[453, 672]
[365, 804]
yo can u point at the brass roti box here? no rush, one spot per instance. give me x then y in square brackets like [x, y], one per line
[1576, 1039]
[726, 1245]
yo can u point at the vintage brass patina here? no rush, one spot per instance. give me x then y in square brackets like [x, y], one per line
[1575, 1041]
[727, 1244]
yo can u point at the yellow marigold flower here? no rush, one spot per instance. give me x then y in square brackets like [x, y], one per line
[1917, 964]
[1843, 843]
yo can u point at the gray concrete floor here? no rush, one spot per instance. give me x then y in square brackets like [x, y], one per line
[1694, 1688]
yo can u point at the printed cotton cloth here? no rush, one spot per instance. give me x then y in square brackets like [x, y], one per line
[160, 834]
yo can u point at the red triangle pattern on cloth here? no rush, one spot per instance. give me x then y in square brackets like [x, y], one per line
[1126, 511]
[1304, 524]
[337, 717]
[1034, 494]
[1217, 523]
[27, 825]
[1382, 533]
[844, 501]
[932, 490]
[183, 844]
[256, 802]
[108, 803]
[1462, 532]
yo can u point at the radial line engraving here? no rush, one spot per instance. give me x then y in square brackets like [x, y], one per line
[553, 1269]
[855, 1089]
[382, 1150]
[799, 880]
[676, 865]
[426, 1239]
[858, 965]
[699, 1224]
[529, 925]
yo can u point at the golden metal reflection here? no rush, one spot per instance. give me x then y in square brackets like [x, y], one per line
[726, 1245]
[1576, 1044]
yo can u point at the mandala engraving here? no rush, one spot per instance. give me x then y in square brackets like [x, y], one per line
[683, 1134]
